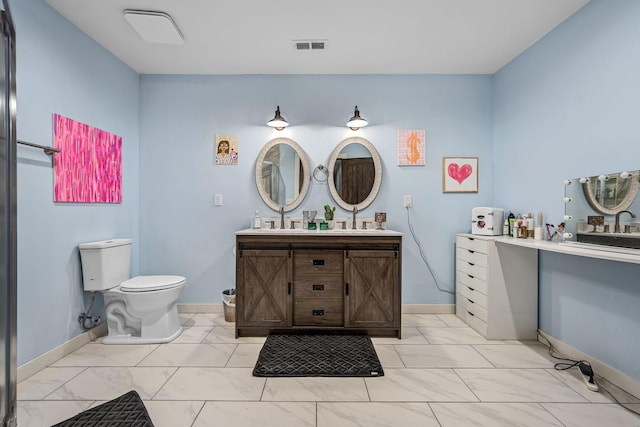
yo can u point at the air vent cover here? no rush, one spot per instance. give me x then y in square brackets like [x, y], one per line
[310, 45]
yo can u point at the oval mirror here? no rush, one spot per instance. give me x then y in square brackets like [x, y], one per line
[355, 173]
[610, 194]
[282, 174]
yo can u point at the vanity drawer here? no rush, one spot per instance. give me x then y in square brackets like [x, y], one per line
[318, 288]
[472, 269]
[472, 320]
[463, 303]
[472, 294]
[326, 312]
[474, 283]
[317, 262]
[472, 243]
[471, 256]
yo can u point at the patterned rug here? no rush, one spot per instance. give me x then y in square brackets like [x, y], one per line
[318, 355]
[124, 411]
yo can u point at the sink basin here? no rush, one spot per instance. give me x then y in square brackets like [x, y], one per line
[624, 240]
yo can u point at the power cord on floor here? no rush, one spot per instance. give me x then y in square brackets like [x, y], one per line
[585, 369]
[424, 257]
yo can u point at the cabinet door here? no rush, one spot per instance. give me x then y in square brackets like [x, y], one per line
[264, 288]
[371, 289]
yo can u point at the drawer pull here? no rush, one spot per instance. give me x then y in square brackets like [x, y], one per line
[318, 262]
[470, 251]
[470, 263]
[471, 289]
[318, 287]
[471, 313]
[317, 312]
[471, 301]
[470, 276]
[289, 288]
[346, 288]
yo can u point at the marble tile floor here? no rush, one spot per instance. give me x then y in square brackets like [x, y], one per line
[441, 373]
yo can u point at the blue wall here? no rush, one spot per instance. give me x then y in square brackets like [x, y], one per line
[182, 232]
[61, 70]
[570, 107]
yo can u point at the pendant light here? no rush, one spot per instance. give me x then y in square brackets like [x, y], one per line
[356, 122]
[278, 122]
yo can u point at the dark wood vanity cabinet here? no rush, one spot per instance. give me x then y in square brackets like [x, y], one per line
[266, 295]
[318, 281]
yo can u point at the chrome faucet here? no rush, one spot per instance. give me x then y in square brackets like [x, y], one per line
[354, 224]
[616, 228]
[281, 217]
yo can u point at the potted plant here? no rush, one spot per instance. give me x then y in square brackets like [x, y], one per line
[328, 215]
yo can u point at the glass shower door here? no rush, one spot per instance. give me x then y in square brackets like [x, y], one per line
[7, 221]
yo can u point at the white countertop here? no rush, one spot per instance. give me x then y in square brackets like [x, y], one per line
[302, 232]
[611, 253]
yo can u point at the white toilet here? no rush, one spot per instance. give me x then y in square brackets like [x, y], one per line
[139, 310]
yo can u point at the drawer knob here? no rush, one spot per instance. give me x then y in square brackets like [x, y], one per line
[317, 312]
[318, 262]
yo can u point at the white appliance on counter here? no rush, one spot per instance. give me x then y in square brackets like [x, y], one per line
[487, 221]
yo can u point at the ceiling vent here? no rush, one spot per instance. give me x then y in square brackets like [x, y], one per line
[310, 45]
[154, 27]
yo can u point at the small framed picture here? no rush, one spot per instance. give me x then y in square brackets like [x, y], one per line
[459, 174]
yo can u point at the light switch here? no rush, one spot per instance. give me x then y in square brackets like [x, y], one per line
[217, 199]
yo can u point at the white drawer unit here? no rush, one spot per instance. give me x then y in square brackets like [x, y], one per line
[497, 287]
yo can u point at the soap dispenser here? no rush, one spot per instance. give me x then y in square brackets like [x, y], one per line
[256, 222]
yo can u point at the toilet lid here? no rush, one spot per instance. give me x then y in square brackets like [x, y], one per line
[151, 283]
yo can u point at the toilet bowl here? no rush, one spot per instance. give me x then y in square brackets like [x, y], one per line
[138, 310]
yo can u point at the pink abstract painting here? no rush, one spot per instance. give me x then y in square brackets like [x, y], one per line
[88, 168]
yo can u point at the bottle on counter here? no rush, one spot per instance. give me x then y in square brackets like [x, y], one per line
[530, 226]
[505, 227]
[515, 232]
[256, 222]
[512, 219]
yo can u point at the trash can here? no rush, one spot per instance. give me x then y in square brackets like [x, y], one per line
[229, 303]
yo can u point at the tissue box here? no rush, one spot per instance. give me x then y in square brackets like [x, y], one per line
[487, 221]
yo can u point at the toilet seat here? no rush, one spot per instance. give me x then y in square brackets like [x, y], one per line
[151, 283]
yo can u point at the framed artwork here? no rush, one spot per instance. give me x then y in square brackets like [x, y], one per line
[459, 174]
[411, 147]
[88, 168]
[226, 150]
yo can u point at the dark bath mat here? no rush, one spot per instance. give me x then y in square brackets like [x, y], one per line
[318, 355]
[124, 411]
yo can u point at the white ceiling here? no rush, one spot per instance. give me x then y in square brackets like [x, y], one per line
[363, 36]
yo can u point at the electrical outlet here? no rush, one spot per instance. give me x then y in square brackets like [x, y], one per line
[408, 201]
[217, 199]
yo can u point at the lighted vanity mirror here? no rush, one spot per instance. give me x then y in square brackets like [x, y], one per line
[611, 193]
[282, 174]
[355, 173]
[604, 209]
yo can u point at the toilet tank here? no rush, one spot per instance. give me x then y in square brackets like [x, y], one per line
[105, 264]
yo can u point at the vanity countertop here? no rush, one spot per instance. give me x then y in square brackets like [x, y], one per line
[611, 253]
[319, 233]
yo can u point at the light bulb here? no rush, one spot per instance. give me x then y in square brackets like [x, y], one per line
[567, 199]
[567, 182]
[568, 217]
[567, 235]
[583, 180]
[625, 175]
[603, 177]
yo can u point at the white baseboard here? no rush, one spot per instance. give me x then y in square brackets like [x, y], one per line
[406, 308]
[428, 308]
[625, 382]
[200, 308]
[52, 356]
